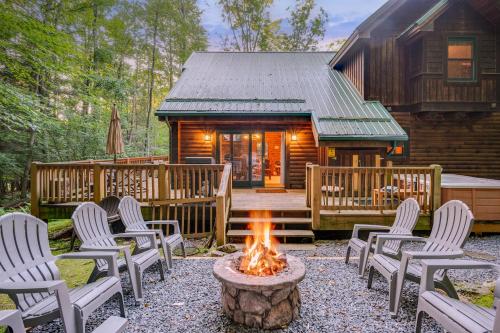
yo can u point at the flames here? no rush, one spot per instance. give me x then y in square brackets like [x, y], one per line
[261, 256]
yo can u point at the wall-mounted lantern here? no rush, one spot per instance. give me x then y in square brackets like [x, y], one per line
[294, 136]
[207, 136]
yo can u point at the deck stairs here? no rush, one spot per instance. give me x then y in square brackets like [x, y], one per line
[293, 227]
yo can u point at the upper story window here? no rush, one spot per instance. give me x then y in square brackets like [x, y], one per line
[461, 59]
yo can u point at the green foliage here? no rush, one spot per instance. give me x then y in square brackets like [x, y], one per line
[306, 31]
[64, 63]
[252, 28]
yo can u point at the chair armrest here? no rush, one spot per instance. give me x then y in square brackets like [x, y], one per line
[381, 239]
[175, 223]
[433, 255]
[372, 237]
[10, 288]
[108, 248]
[359, 227]
[144, 233]
[430, 266]
[110, 257]
[60, 291]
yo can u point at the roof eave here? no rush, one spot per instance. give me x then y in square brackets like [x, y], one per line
[181, 113]
[362, 138]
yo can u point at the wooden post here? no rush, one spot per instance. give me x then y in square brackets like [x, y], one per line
[220, 228]
[355, 175]
[378, 162]
[162, 182]
[436, 186]
[315, 196]
[99, 184]
[308, 185]
[35, 190]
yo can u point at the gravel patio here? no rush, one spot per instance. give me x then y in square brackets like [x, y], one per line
[334, 299]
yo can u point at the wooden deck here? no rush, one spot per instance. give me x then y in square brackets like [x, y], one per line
[249, 199]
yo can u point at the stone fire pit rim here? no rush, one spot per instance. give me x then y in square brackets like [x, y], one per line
[225, 272]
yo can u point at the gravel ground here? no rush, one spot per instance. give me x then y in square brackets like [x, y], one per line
[334, 299]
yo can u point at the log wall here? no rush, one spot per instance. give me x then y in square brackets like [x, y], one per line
[190, 142]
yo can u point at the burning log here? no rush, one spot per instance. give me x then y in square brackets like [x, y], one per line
[261, 256]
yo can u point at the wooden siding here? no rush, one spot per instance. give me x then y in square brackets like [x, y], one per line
[354, 68]
[190, 142]
[431, 85]
[463, 143]
[484, 203]
[386, 73]
[388, 58]
[299, 153]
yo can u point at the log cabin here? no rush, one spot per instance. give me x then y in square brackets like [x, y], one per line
[415, 83]
[270, 113]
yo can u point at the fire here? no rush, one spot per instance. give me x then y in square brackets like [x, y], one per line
[261, 256]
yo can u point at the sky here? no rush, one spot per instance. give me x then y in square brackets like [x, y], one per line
[343, 17]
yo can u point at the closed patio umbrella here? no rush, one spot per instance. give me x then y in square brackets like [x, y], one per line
[115, 140]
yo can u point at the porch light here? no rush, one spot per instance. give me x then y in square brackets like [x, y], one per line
[294, 136]
[207, 137]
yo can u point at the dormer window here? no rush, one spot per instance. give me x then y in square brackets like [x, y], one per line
[461, 59]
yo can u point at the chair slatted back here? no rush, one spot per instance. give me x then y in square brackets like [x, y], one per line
[452, 225]
[110, 205]
[25, 255]
[131, 216]
[407, 216]
[91, 225]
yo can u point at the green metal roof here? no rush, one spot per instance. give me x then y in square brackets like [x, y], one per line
[279, 83]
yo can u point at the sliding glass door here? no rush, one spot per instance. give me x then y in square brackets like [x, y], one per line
[244, 151]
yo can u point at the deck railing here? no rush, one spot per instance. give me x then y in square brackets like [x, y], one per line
[223, 204]
[185, 192]
[126, 160]
[193, 197]
[370, 188]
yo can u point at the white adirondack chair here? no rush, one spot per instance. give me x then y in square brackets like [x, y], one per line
[12, 319]
[452, 224]
[29, 275]
[454, 315]
[131, 216]
[406, 218]
[91, 225]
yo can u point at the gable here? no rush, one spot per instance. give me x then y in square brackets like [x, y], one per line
[400, 17]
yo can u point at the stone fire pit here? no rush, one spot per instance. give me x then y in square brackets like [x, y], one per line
[263, 302]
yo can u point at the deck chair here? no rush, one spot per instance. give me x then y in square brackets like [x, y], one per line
[406, 218]
[110, 205]
[454, 315]
[131, 216]
[30, 277]
[13, 320]
[91, 225]
[452, 224]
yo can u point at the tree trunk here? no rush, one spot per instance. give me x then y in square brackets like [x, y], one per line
[27, 166]
[151, 84]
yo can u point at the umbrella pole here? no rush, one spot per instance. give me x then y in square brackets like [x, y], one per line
[114, 159]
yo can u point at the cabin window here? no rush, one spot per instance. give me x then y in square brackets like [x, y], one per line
[461, 59]
[399, 149]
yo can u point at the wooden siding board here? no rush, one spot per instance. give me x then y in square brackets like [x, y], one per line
[468, 144]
